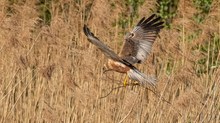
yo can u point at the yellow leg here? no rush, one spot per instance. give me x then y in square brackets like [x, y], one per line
[125, 80]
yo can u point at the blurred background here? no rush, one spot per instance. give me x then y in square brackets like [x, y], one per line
[49, 72]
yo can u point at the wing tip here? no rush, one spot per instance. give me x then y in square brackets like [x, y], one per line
[153, 15]
[153, 21]
[86, 30]
[141, 21]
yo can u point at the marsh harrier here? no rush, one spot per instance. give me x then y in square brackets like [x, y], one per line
[137, 46]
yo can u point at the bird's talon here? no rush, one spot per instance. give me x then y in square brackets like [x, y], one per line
[125, 80]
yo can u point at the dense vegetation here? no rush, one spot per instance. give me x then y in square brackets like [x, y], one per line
[51, 73]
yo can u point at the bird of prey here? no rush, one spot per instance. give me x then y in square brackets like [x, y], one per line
[136, 47]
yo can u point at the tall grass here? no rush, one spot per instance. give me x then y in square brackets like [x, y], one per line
[51, 73]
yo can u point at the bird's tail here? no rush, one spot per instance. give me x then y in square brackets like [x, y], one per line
[135, 74]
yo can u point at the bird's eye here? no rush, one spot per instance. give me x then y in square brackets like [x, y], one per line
[132, 34]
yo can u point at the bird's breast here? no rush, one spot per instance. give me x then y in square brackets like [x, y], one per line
[117, 66]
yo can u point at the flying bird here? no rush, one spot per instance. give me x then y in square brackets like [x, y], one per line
[136, 47]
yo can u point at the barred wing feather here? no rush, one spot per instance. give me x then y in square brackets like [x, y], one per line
[139, 41]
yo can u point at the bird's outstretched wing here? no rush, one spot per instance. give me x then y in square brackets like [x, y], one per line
[138, 42]
[133, 73]
[104, 48]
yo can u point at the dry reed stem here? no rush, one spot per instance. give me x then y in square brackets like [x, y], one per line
[51, 73]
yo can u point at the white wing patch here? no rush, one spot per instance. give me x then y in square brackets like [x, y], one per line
[144, 50]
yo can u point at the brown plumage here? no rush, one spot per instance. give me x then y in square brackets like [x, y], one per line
[137, 46]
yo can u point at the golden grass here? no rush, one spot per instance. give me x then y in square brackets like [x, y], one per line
[53, 74]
